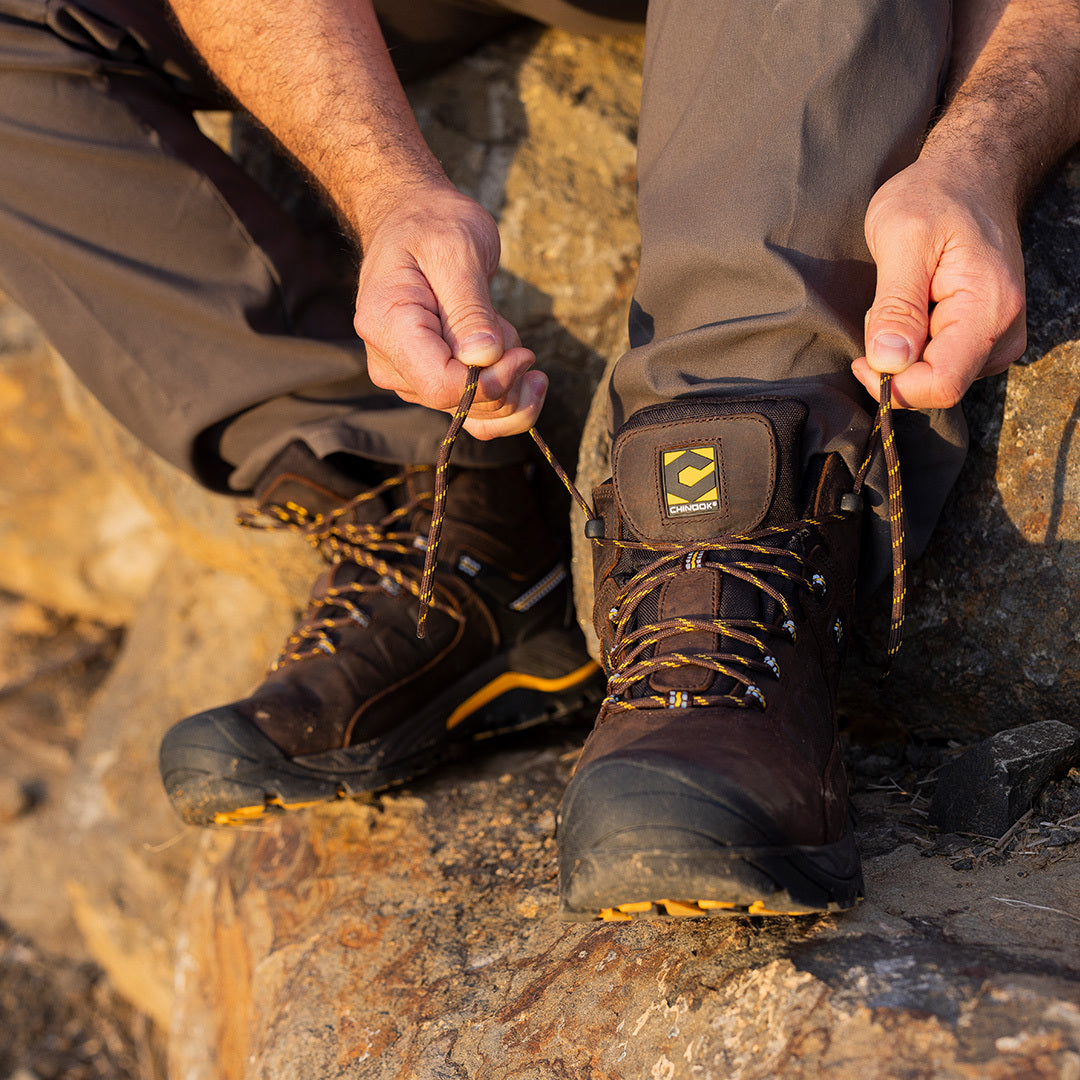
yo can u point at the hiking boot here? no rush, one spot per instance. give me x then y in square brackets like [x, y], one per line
[356, 701]
[713, 781]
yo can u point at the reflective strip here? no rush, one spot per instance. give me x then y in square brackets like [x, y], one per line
[538, 591]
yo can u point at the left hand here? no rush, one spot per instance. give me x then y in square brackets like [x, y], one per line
[949, 307]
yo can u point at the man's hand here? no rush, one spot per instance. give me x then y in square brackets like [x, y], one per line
[949, 307]
[319, 76]
[424, 311]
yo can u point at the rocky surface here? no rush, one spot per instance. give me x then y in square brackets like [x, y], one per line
[416, 935]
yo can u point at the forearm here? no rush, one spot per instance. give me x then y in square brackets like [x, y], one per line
[317, 74]
[1013, 102]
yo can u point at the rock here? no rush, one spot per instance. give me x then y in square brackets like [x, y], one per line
[991, 786]
[72, 535]
[417, 936]
[13, 799]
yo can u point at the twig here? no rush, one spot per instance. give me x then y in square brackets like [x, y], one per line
[1009, 833]
[1041, 907]
[164, 845]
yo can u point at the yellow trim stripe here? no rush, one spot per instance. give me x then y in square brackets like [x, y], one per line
[515, 680]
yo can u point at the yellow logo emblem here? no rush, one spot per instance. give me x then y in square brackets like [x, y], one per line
[691, 480]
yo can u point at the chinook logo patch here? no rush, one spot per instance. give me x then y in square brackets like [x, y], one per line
[691, 480]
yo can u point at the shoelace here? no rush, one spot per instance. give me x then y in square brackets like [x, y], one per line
[627, 664]
[373, 545]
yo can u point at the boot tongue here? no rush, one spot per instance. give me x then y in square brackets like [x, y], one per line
[698, 469]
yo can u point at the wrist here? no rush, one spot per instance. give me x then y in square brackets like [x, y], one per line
[373, 201]
[974, 167]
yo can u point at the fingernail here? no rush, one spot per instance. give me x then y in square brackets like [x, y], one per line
[892, 349]
[475, 343]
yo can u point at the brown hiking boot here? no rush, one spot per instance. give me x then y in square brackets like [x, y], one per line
[356, 702]
[713, 781]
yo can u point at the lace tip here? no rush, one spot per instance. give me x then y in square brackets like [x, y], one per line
[421, 623]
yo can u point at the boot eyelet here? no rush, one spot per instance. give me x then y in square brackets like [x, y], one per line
[838, 630]
[389, 586]
[755, 694]
[818, 586]
[613, 614]
[792, 632]
[771, 663]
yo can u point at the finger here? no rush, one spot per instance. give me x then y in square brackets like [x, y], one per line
[898, 320]
[870, 379]
[401, 330]
[497, 381]
[470, 325]
[971, 334]
[519, 412]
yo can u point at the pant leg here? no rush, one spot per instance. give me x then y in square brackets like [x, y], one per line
[765, 130]
[184, 297]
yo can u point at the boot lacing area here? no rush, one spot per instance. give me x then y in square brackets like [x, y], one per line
[628, 661]
[387, 548]
[751, 557]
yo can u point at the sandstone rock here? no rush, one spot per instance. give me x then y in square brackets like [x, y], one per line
[205, 639]
[14, 799]
[71, 534]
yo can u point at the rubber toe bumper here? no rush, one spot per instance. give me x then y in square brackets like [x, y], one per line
[658, 835]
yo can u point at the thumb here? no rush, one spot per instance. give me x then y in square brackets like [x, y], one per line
[898, 322]
[470, 325]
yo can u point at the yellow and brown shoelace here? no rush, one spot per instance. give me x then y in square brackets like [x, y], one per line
[629, 663]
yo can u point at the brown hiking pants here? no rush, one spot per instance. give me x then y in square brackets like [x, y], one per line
[193, 308]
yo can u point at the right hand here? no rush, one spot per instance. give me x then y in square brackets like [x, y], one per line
[949, 307]
[423, 309]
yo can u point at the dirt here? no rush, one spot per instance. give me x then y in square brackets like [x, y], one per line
[61, 1020]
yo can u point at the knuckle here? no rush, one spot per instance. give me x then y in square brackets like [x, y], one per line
[896, 309]
[948, 393]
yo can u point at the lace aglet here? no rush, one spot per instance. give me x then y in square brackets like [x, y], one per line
[421, 621]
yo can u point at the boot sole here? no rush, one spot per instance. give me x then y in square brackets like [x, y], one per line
[219, 769]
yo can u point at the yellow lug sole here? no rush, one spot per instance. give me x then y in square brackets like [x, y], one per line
[688, 909]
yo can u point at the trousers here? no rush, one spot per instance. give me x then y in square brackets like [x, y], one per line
[195, 309]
